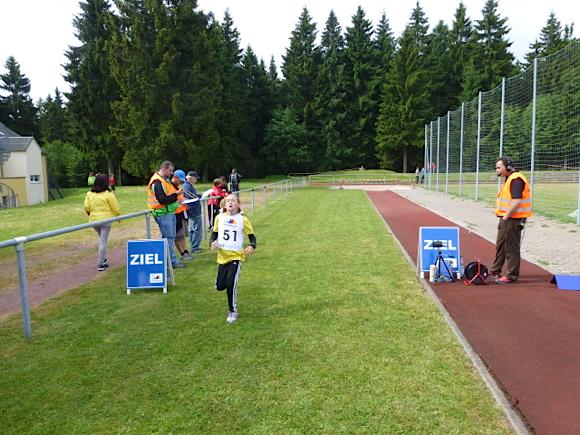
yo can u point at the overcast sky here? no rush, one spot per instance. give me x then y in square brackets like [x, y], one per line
[38, 32]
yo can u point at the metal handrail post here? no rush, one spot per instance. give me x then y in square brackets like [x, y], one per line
[148, 225]
[253, 201]
[23, 286]
[265, 195]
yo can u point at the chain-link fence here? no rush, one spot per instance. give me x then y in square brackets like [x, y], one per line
[532, 118]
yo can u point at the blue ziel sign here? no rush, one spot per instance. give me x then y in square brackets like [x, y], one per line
[147, 264]
[433, 240]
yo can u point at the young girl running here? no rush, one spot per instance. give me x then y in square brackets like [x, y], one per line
[228, 238]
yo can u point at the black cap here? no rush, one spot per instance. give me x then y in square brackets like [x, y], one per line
[193, 174]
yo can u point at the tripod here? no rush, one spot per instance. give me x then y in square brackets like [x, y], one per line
[441, 261]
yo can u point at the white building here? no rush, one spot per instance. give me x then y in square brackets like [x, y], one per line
[23, 174]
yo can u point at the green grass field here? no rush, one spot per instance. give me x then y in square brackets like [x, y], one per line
[552, 200]
[368, 175]
[335, 336]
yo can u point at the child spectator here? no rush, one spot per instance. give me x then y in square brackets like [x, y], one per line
[213, 203]
[100, 203]
[228, 238]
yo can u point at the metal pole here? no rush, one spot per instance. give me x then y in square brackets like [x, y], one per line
[430, 170]
[447, 155]
[148, 225]
[253, 201]
[23, 286]
[533, 152]
[265, 196]
[424, 155]
[461, 149]
[578, 208]
[501, 121]
[478, 147]
[204, 222]
[438, 140]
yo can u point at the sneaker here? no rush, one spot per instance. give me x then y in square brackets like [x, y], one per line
[494, 275]
[186, 256]
[504, 280]
[103, 267]
[179, 265]
[232, 316]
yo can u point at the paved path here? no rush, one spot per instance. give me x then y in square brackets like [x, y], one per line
[527, 333]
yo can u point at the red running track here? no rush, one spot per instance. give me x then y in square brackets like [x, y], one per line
[527, 333]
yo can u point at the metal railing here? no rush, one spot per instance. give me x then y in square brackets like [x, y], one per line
[267, 192]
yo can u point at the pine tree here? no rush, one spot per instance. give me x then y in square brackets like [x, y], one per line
[17, 111]
[490, 60]
[404, 106]
[552, 38]
[361, 73]
[258, 108]
[52, 119]
[300, 69]
[93, 89]
[443, 96]
[459, 49]
[330, 99]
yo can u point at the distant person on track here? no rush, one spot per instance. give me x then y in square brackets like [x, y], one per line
[417, 174]
[422, 175]
[513, 207]
[100, 203]
[228, 238]
[162, 201]
[234, 181]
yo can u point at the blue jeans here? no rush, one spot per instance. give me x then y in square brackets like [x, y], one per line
[167, 226]
[195, 228]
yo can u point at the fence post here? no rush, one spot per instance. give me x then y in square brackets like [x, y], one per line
[478, 147]
[578, 205]
[461, 149]
[265, 196]
[23, 286]
[148, 226]
[501, 124]
[430, 170]
[253, 201]
[533, 151]
[447, 156]
[204, 221]
[425, 152]
[438, 137]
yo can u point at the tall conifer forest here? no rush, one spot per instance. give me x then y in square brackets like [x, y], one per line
[154, 80]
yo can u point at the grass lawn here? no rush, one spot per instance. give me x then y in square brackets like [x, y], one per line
[368, 175]
[552, 200]
[335, 336]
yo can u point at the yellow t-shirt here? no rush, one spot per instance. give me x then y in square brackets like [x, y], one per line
[228, 226]
[102, 205]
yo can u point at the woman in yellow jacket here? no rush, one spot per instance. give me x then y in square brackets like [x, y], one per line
[100, 203]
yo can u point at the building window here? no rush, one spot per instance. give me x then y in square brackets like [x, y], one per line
[35, 178]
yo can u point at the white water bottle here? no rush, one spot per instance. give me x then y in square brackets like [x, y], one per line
[432, 273]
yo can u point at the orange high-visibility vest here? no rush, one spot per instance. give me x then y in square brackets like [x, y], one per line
[182, 207]
[169, 188]
[504, 198]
